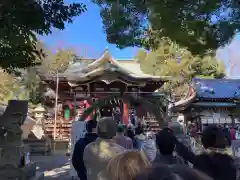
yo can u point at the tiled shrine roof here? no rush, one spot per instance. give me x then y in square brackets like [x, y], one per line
[217, 88]
[210, 93]
[105, 68]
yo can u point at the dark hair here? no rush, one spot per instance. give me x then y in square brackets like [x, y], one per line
[175, 172]
[139, 130]
[213, 137]
[165, 141]
[90, 125]
[106, 128]
[130, 133]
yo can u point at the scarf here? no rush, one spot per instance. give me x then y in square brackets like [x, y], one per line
[218, 150]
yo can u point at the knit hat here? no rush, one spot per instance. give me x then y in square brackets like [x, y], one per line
[107, 128]
[121, 128]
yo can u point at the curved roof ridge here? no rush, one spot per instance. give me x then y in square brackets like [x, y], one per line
[106, 56]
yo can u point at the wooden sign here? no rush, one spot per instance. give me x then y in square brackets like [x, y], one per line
[97, 87]
[81, 95]
[102, 87]
[117, 87]
[79, 88]
[132, 89]
[114, 89]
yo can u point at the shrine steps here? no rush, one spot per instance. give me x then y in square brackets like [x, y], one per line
[152, 124]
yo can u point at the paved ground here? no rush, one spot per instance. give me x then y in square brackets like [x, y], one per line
[54, 167]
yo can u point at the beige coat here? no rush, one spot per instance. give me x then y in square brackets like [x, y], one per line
[97, 156]
[123, 141]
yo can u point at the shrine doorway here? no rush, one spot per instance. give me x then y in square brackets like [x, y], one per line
[147, 105]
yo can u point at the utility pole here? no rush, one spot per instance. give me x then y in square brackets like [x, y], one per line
[56, 109]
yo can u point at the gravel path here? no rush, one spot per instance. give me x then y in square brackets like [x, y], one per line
[54, 167]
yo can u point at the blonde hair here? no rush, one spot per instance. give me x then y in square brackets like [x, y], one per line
[127, 165]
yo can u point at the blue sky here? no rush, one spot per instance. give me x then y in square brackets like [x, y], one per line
[87, 37]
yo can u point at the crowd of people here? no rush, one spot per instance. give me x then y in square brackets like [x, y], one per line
[114, 152]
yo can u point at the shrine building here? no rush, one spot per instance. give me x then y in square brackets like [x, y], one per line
[86, 80]
[210, 101]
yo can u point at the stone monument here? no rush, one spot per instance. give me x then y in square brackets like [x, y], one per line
[12, 151]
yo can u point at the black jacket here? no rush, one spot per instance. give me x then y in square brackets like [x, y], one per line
[227, 136]
[167, 159]
[216, 165]
[77, 158]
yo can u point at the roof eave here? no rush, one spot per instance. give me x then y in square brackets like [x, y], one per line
[183, 104]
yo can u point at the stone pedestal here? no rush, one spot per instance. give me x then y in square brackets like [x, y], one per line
[28, 172]
[39, 176]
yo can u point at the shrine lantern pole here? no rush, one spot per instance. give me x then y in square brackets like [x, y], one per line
[56, 109]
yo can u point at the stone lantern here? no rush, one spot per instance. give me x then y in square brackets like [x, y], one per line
[38, 128]
[39, 113]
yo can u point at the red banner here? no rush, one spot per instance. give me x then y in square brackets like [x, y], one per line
[125, 114]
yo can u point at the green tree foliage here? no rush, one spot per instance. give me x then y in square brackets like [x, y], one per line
[10, 88]
[22, 20]
[50, 65]
[171, 60]
[28, 85]
[58, 61]
[198, 25]
[33, 85]
[6, 86]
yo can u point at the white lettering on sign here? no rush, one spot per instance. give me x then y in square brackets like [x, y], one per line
[114, 89]
[99, 89]
[80, 95]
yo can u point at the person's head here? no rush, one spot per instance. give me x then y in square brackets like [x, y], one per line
[150, 135]
[226, 126]
[127, 165]
[130, 133]
[106, 128]
[139, 130]
[193, 127]
[173, 172]
[120, 129]
[91, 126]
[213, 137]
[165, 141]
